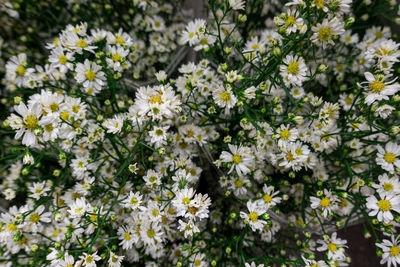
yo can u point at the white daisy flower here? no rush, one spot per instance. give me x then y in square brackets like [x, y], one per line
[389, 157]
[391, 251]
[378, 88]
[293, 71]
[387, 184]
[241, 158]
[324, 32]
[253, 217]
[90, 76]
[382, 208]
[335, 247]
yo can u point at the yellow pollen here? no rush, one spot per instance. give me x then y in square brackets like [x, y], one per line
[54, 107]
[12, 227]
[293, 68]
[285, 134]
[332, 247]
[89, 259]
[325, 202]
[299, 151]
[384, 205]
[134, 201]
[151, 233]
[191, 35]
[192, 210]
[267, 198]
[116, 57]
[376, 86]
[390, 157]
[394, 251]
[185, 200]
[237, 159]
[225, 96]
[48, 128]
[81, 44]
[90, 75]
[119, 40]
[34, 218]
[290, 21]
[289, 156]
[253, 216]
[155, 213]
[197, 262]
[324, 34]
[155, 99]
[127, 236]
[64, 115]
[31, 122]
[238, 183]
[21, 70]
[62, 59]
[388, 187]
[75, 108]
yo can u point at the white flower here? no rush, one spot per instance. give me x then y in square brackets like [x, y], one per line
[115, 260]
[237, 4]
[323, 32]
[89, 260]
[253, 217]
[38, 190]
[391, 251]
[293, 71]
[378, 88]
[384, 111]
[61, 59]
[286, 135]
[115, 124]
[270, 198]
[28, 124]
[388, 158]
[241, 158]
[134, 201]
[335, 247]
[387, 184]
[382, 208]
[90, 76]
[224, 97]
[327, 204]
[78, 208]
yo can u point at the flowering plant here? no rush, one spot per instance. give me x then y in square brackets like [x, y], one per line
[281, 134]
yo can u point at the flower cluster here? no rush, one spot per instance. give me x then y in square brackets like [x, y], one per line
[285, 131]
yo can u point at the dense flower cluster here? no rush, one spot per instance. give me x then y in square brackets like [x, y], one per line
[280, 135]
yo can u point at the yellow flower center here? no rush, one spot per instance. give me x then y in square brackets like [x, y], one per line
[31, 122]
[319, 3]
[299, 151]
[127, 236]
[253, 216]
[289, 156]
[12, 227]
[192, 210]
[384, 205]
[325, 202]
[89, 259]
[324, 34]
[134, 201]
[376, 86]
[185, 200]
[267, 198]
[285, 134]
[197, 262]
[388, 187]
[21, 70]
[48, 128]
[54, 107]
[155, 99]
[119, 40]
[390, 157]
[116, 57]
[64, 115]
[332, 247]
[156, 213]
[225, 96]
[238, 183]
[81, 44]
[290, 21]
[90, 75]
[394, 251]
[151, 233]
[237, 159]
[75, 108]
[62, 59]
[293, 68]
[34, 218]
